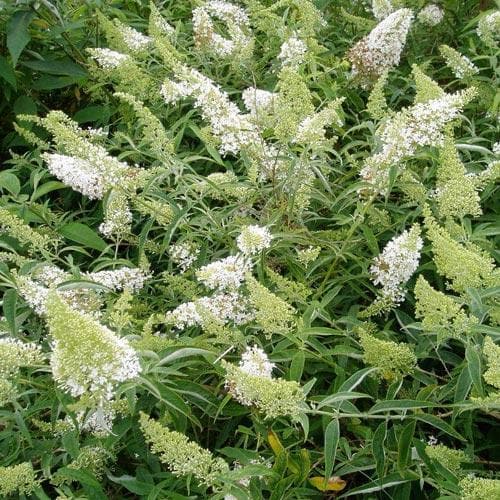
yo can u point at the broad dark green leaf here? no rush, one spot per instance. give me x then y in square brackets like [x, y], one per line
[17, 33]
[80, 233]
[7, 73]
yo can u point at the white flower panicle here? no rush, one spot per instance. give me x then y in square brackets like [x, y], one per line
[135, 40]
[108, 59]
[461, 65]
[237, 24]
[225, 274]
[381, 9]
[77, 173]
[253, 239]
[184, 254]
[496, 148]
[417, 126]
[258, 102]
[254, 361]
[431, 15]
[125, 278]
[87, 357]
[222, 307]
[488, 29]
[397, 263]
[234, 129]
[14, 354]
[292, 52]
[35, 289]
[381, 49]
[312, 131]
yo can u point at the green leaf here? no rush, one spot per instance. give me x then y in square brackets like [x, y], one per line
[404, 445]
[132, 484]
[80, 233]
[51, 82]
[17, 33]
[400, 405]
[341, 396]
[463, 386]
[332, 435]
[9, 309]
[7, 72]
[47, 187]
[297, 365]
[57, 67]
[10, 182]
[439, 424]
[474, 366]
[92, 114]
[354, 380]
[378, 447]
[378, 485]
[25, 105]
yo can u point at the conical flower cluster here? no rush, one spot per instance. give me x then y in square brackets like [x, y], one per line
[381, 49]
[87, 358]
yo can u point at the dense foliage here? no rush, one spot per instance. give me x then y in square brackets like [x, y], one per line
[248, 249]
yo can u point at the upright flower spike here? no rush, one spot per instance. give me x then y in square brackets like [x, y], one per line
[479, 488]
[448, 457]
[20, 479]
[396, 264]
[81, 162]
[239, 45]
[292, 52]
[440, 313]
[410, 129]
[272, 313]
[456, 191]
[465, 266]
[381, 9]
[15, 354]
[87, 358]
[461, 66]
[426, 88]
[224, 274]
[124, 38]
[251, 384]
[488, 29]
[253, 239]
[381, 49]
[182, 456]
[394, 360]
[492, 353]
[18, 229]
[431, 15]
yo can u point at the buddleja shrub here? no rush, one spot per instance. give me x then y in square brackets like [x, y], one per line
[272, 273]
